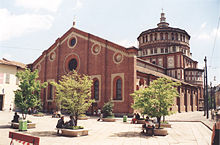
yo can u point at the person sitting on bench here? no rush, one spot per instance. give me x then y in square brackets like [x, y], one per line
[148, 125]
[16, 118]
[60, 124]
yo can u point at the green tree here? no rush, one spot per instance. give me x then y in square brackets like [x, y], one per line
[156, 100]
[28, 94]
[73, 94]
[107, 109]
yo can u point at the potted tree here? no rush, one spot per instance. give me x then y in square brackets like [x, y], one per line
[107, 109]
[156, 100]
[73, 94]
[28, 95]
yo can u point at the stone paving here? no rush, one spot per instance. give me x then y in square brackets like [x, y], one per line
[112, 133]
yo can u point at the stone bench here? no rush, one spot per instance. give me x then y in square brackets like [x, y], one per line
[73, 133]
[15, 125]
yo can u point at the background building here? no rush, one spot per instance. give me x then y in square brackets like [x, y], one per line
[118, 71]
[8, 82]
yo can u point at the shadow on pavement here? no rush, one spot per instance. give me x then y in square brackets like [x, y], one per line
[5, 126]
[130, 134]
[44, 133]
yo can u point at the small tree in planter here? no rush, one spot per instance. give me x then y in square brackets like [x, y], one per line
[107, 109]
[28, 94]
[73, 94]
[156, 99]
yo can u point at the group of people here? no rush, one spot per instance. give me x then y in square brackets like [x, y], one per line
[148, 124]
[62, 124]
[135, 118]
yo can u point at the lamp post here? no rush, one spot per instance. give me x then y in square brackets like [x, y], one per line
[206, 89]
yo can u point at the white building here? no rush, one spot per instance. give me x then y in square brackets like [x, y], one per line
[8, 82]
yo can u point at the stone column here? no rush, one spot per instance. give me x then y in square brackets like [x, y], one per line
[188, 108]
[175, 107]
[194, 100]
[182, 106]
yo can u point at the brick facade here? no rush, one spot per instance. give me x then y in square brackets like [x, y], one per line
[118, 71]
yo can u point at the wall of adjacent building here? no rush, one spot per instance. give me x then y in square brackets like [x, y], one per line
[7, 89]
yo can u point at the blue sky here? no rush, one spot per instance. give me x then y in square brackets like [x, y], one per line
[27, 27]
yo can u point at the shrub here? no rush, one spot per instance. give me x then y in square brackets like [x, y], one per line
[107, 109]
[74, 127]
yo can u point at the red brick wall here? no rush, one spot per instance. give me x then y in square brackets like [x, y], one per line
[90, 64]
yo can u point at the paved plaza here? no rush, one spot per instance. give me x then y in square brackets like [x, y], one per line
[113, 133]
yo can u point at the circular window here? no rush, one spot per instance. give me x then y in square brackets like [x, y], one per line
[52, 56]
[118, 58]
[72, 41]
[72, 64]
[96, 49]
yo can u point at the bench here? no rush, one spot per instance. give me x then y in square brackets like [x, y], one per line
[72, 132]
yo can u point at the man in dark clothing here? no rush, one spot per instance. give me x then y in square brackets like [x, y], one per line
[16, 118]
[70, 122]
[137, 116]
[60, 124]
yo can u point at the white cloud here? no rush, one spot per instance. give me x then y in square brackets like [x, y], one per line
[127, 43]
[50, 5]
[214, 31]
[204, 36]
[79, 4]
[203, 25]
[209, 35]
[16, 25]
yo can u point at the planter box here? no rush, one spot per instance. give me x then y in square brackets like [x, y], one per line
[38, 115]
[108, 119]
[83, 117]
[140, 121]
[29, 125]
[163, 125]
[160, 132]
[74, 133]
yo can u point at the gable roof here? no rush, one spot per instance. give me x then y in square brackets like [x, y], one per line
[12, 63]
[85, 34]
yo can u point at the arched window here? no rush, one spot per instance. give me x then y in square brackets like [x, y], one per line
[166, 36]
[96, 90]
[177, 36]
[155, 36]
[118, 89]
[161, 36]
[151, 37]
[172, 36]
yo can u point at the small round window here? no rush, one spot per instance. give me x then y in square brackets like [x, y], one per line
[72, 64]
[72, 41]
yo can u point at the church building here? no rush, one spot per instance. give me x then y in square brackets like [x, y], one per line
[118, 71]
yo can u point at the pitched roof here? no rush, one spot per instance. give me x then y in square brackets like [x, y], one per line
[12, 63]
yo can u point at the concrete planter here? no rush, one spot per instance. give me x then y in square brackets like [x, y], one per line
[38, 115]
[160, 132]
[83, 117]
[74, 133]
[29, 125]
[108, 119]
[163, 125]
[140, 121]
